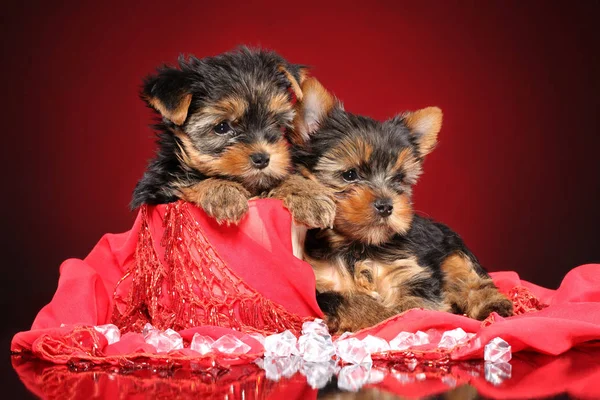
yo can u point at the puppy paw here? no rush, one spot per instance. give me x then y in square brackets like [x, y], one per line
[314, 211]
[498, 303]
[225, 201]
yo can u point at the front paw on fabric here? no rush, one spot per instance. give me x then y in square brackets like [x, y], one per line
[314, 211]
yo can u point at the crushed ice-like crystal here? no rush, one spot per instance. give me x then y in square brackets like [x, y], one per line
[497, 350]
[406, 340]
[318, 374]
[453, 338]
[317, 326]
[449, 380]
[202, 344]
[422, 337]
[353, 377]
[164, 342]
[110, 332]
[278, 367]
[420, 376]
[403, 378]
[148, 328]
[412, 364]
[353, 351]
[496, 373]
[280, 344]
[316, 348]
[376, 375]
[229, 344]
[375, 344]
[260, 338]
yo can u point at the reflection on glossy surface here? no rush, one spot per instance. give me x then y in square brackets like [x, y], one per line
[576, 373]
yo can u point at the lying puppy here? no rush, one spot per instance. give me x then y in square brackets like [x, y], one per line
[223, 138]
[381, 259]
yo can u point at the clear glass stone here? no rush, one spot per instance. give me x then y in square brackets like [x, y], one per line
[280, 344]
[110, 332]
[230, 344]
[316, 348]
[317, 326]
[260, 338]
[422, 337]
[353, 377]
[318, 374]
[375, 344]
[278, 367]
[148, 328]
[497, 350]
[449, 380]
[496, 373]
[403, 378]
[412, 364]
[202, 344]
[406, 340]
[420, 376]
[376, 375]
[164, 342]
[353, 351]
[453, 338]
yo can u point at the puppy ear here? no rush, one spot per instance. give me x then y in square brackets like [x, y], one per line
[316, 103]
[168, 92]
[296, 75]
[424, 126]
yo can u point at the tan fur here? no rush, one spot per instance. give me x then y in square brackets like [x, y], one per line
[332, 275]
[392, 283]
[309, 202]
[476, 295]
[235, 161]
[358, 311]
[176, 115]
[316, 103]
[228, 108]
[425, 125]
[279, 103]
[293, 82]
[226, 201]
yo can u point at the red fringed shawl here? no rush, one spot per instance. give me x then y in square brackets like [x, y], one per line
[177, 268]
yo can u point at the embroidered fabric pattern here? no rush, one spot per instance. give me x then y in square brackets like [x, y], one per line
[193, 286]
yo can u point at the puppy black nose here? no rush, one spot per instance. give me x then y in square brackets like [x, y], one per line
[260, 160]
[384, 207]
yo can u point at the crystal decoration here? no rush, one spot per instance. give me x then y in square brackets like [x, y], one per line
[317, 326]
[353, 377]
[420, 376]
[412, 364]
[278, 367]
[280, 344]
[375, 344]
[451, 339]
[449, 380]
[496, 373]
[147, 329]
[316, 348]
[110, 332]
[318, 374]
[497, 350]
[164, 342]
[376, 375]
[230, 344]
[353, 351]
[406, 340]
[202, 344]
[403, 378]
[260, 338]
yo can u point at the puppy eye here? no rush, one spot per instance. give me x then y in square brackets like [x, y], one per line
[350, 176]
[223, 128]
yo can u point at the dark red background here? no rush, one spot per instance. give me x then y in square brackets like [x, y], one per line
[516, 172]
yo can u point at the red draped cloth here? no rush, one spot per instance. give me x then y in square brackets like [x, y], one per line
[177, 268]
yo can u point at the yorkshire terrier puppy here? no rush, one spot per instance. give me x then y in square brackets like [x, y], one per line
[381, 259]
[224, 137]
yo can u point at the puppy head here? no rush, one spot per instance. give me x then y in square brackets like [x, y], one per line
[370, 165]
[230, 114]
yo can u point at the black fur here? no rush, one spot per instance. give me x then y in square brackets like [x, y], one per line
[209, 80]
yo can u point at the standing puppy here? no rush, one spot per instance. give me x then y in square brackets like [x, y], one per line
[223, 138]
[380, 258]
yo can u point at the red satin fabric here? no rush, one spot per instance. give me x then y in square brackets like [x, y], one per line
[259, 252]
